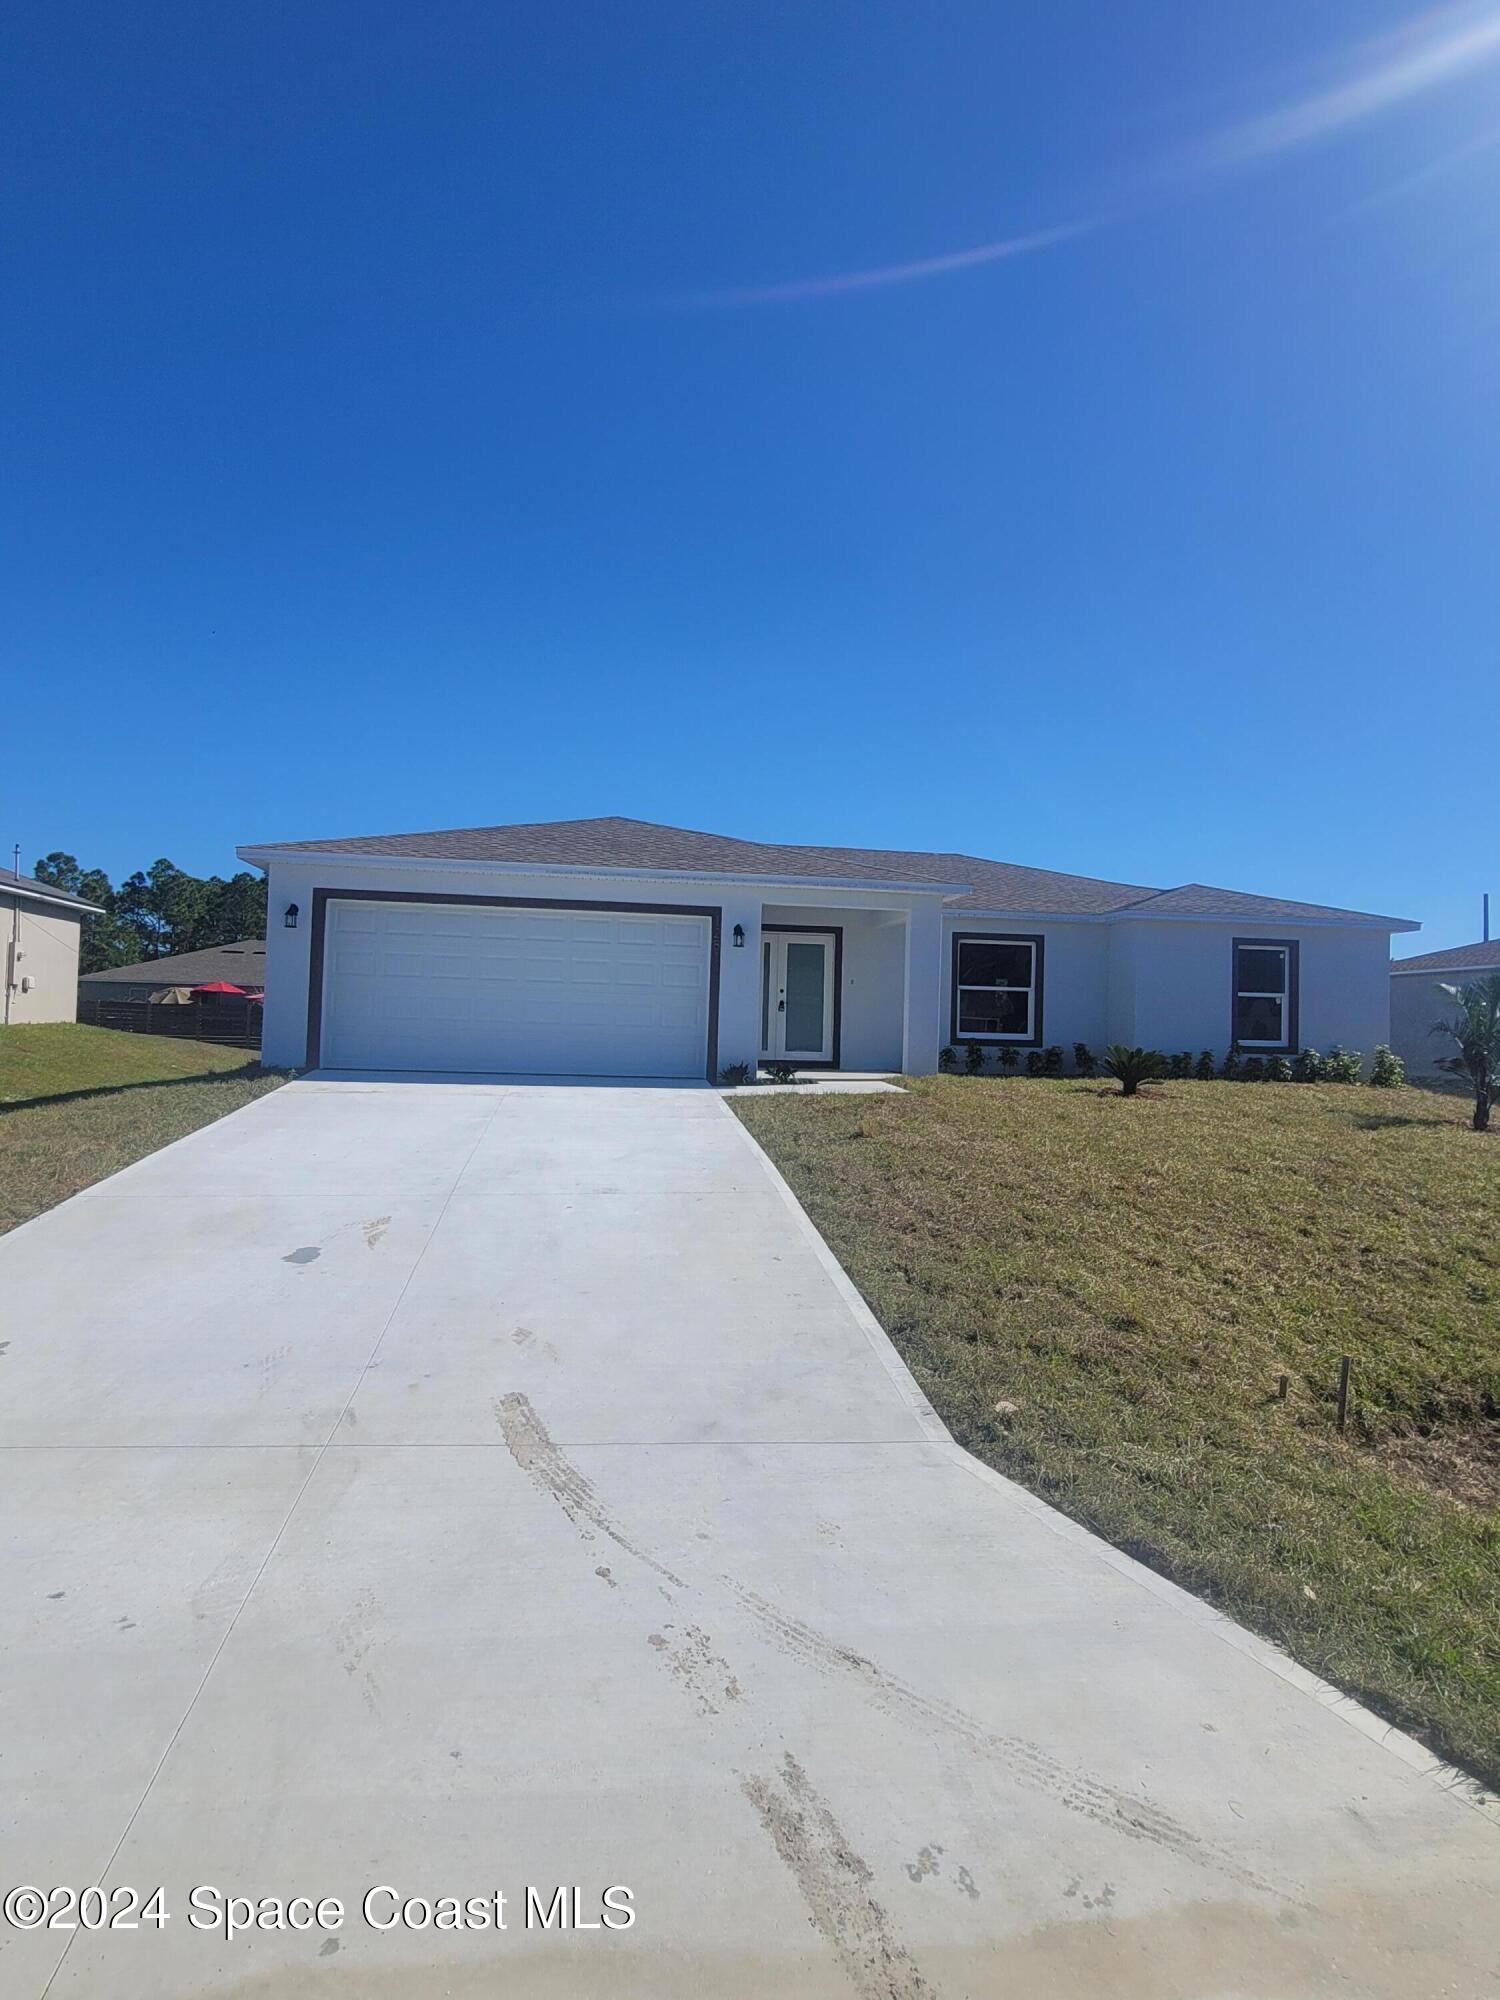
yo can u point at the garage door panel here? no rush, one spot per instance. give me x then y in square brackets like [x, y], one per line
[677, 975]
[678, 1010]
[418, 986]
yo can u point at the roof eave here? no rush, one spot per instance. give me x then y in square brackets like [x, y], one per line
[71, 904]
[1334, 920]
[265, 857]
[1399, 970]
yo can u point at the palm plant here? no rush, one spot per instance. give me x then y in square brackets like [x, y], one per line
[1475, 1028]
[1133, 1067]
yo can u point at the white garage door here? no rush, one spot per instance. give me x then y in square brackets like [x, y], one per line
[559, 992]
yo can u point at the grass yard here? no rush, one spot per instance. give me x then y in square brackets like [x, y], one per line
[78, 1103]
[1099, 1293]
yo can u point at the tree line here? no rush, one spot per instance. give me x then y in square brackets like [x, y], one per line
[157, 912]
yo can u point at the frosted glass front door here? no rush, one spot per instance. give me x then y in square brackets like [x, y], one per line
[797, 1000]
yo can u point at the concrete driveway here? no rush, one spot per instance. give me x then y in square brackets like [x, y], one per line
[447, 1488]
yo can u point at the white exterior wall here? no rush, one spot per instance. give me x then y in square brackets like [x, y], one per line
[1119, 1005]
[875, 923]
[1172, 987]
[1164, 985]
[46, 954]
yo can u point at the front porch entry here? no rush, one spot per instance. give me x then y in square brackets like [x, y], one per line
[800, 994]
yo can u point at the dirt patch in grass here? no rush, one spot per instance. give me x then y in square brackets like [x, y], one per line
[77, 1104]
[1463, 1463]
[1133, 1277]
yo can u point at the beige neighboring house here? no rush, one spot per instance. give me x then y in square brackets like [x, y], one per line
[242, 963]
[41, 928]
[1418, 1000]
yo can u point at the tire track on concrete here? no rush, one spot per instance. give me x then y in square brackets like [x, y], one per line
[1026, 1764]
[1029, 1765]
[832, 1879]
[552, 1472]
[835, 1885]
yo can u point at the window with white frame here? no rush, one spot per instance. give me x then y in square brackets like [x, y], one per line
[1265, 993]
[997, 989]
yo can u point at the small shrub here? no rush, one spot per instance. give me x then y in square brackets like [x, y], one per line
[1133, 1067]
[1343, 1065]
[1009, 1056]
[735, 1073]
[1254, 1070]
[1278, 1070]
[1229, 1069]
[1083, 1059]
[974, 1057]
[947, 1060]
[1181, 1066]
[1052, 1061]
[1308, 1068]
[1033, 1062]
[1203, 1069]
[1389, 1072]
[781, 1072]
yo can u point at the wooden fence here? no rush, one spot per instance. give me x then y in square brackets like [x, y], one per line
[235, 1023]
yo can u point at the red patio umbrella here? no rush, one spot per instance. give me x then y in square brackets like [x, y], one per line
[220, 986]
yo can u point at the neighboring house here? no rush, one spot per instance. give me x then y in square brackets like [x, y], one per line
[242, 963]
[41, 927]
[613, 947]
[1418, 1001]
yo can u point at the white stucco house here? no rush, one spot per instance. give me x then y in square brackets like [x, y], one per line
[615, 947]
[1418, 1001]
[41, 927]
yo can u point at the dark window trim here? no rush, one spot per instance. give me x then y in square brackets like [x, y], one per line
[836, 932]
[321, 898]
[1034, 938]
[1291, 946]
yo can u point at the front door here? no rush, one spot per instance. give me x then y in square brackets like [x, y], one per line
[796, 1002]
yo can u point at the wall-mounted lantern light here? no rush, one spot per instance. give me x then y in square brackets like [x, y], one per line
[739, 935]
[290, 919]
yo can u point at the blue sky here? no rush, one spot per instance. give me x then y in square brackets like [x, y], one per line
[398, 432]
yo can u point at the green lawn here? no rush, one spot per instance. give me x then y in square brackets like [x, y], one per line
[1099, 1293]
[79, 1103]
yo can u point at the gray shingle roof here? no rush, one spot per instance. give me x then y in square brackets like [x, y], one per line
[1462, 958]
[240, 964]
[43, 892]
[1196, 899]
[635, 843]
